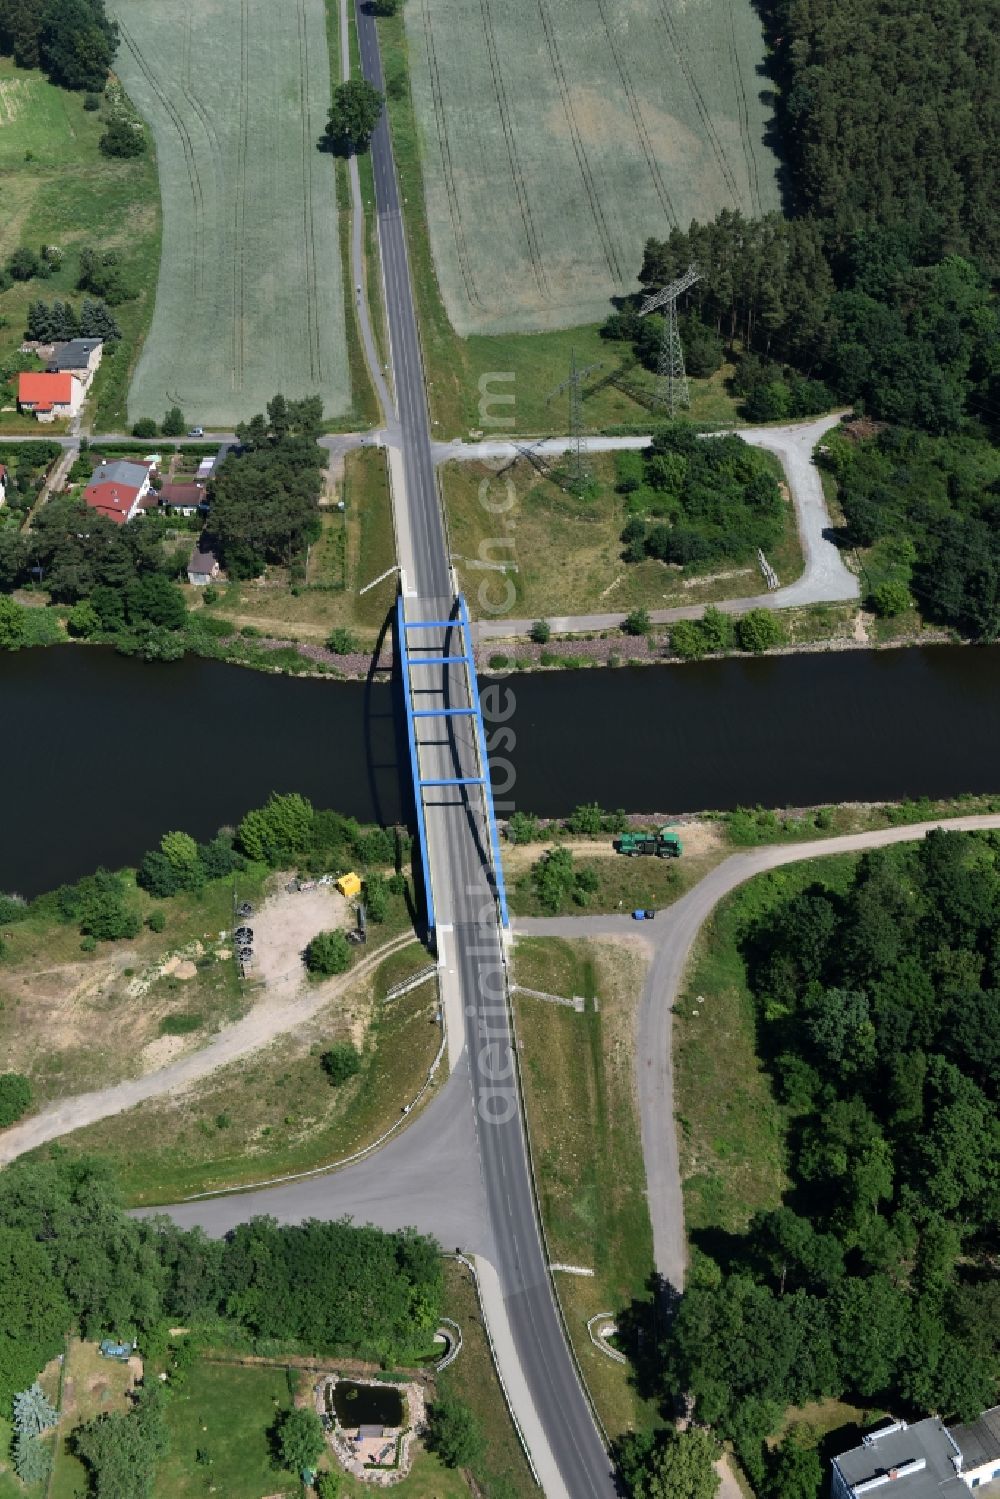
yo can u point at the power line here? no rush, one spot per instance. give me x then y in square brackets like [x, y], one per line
[671, 384]
[579, 472]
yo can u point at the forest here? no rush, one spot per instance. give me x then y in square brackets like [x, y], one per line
[72, 1260]
[878, 1020]
[74, 41]
[878, 288]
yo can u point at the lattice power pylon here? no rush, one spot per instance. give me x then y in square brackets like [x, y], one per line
[579, 472]
[671, 385]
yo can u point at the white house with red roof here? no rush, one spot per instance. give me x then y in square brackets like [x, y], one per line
[118, 489]
[50, 396]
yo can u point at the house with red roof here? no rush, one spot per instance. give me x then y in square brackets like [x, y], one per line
[117, 490]
[51, 396]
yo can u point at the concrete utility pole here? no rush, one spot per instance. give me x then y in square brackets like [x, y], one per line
[579, 469]
[672, 385]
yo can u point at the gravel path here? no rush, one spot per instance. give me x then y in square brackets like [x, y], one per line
[825, 579]
[265, 1023]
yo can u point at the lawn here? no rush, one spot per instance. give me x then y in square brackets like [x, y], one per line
[276, 1111]
[578, 1078]
[225, 1413]
[562, 553]
[731, 1139]
[465, 375]
[91, 1386]
[355, 547]
[59, 189]
[250, 296]
[563, 133]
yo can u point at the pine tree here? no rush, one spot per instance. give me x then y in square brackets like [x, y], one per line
[33, 1411]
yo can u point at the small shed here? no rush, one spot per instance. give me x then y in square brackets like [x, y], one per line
[349, 885]
[121, 1351]
[203, 565]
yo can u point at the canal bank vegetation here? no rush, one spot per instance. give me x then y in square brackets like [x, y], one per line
[578, 1080]
[680, 527]
[839, 1201]
[294, 604]
[150, 953]
[922, 512]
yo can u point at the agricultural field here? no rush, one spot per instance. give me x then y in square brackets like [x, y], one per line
[558, 135]
[250, 295]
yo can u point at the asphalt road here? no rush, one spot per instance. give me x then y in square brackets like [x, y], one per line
[671, 938]
[469, 938]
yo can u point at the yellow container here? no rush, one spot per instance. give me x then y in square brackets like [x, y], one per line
[349, 885]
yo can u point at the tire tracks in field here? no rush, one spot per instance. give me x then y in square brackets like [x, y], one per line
[517, 176]
[743, 113]
[240, 204]
[187, 150]
[192, 98]
[704, 113]
[447, 164]
[583, 161]
[308, 207]
[638, 121]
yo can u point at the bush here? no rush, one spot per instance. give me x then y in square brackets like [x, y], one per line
[341, 1062]
[454, 1433]
[891, 598]
[174, 423]
[15, 1097]
[123, 137]
[498, 662]
[522, 827]
[144, 427]
[83, 621]
[341, 642]
[298, 1438]
[156, 920]
[328, 953]
[687, 640]
[91, 103]
[759, 631]
[376, 898]
[541, 630]
[637, 622]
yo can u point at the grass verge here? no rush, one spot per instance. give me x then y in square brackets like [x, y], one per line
[472, 1379]
[578, 1080]
[276, 1112]
[732, 1139]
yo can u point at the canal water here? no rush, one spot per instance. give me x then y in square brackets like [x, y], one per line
[101, 753]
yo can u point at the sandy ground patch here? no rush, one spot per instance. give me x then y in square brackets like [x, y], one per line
[163, 1050]
[283, 928]
[698, 838]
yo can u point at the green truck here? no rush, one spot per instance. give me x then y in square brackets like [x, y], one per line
[661, 844]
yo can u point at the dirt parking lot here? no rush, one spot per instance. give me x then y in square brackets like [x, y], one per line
[284, 926]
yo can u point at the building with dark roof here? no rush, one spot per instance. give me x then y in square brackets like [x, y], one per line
[80, 357]
[203, 564]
